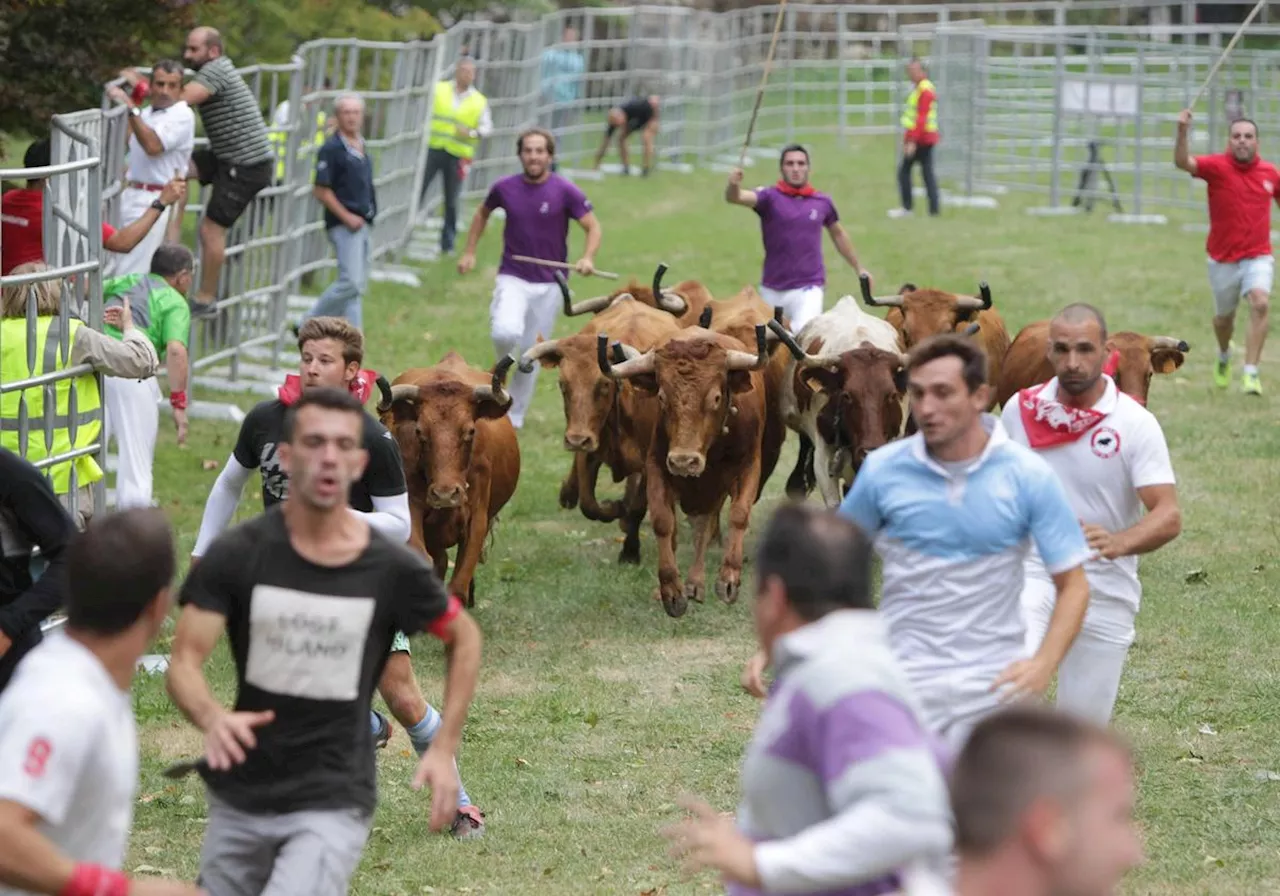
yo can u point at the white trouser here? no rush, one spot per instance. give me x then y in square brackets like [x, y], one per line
[953, 706]
[133, 417]
[519, 313]
[1089, 677]
[799, 305]
[133, 203]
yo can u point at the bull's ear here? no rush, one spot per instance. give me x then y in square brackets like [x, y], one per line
[739, 381]
[645, 382]
[551, 359]
[900, 379]
[1166, 360]
[819, 379]
[489, 409]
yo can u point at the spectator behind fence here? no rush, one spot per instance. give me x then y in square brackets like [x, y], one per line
[460, 117]
[131, 357]
[1043, 804]
[22, 216]
[160, 312]
[30, 517]
[238, 162]
[161, 138]
[563, 68]
[919, 137]
[842, 786]
[344, 186]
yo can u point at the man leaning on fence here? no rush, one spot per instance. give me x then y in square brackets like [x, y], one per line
[919, 137]
[344, 186]
[460, 117]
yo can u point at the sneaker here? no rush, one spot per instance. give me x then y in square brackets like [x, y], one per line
[1250, 384]
[202, 310]
[384, 731]
[469, 825]
[1222, 374]
[899, 213]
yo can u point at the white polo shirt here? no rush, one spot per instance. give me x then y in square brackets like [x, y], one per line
[1101, 472]
[176, 128]
[69, 751]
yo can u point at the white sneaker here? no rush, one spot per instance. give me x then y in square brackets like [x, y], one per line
[899, 213]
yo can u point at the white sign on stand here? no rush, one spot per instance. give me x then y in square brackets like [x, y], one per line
[1111, 98]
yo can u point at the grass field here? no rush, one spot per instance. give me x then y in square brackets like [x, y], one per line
[595, 710]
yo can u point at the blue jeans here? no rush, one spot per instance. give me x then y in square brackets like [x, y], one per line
[342, 298]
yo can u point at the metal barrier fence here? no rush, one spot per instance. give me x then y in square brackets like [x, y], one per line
[1015, 116]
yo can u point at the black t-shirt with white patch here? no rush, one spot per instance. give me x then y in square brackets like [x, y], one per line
[310, 643]
[263, 429]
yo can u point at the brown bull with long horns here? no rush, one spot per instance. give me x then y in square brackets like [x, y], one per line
[685, 301]
[461, 458]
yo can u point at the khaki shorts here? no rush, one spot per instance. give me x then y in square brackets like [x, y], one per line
[1231, 281]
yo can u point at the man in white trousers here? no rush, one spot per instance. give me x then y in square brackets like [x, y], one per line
[1110, 454]
[161, 138]
[792, 217]
[526, 300]
[159, 305]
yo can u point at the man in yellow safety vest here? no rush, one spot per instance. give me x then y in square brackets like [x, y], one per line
[460, 117]
[919, 137]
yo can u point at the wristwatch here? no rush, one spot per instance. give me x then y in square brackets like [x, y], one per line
[135, 111]
[158, 205]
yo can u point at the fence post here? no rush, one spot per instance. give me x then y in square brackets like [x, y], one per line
[1060, 73]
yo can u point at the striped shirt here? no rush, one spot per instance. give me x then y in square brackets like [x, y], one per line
[234, 124]
[843, 788]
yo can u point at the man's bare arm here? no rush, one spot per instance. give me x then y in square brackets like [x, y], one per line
[196, 635]
[1181, 157]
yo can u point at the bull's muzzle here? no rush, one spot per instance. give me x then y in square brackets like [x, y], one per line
[584, 442]
[443, 497]
[686, 463]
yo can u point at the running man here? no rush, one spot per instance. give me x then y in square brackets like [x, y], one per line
[953, 510]
[1110, 454]
[332, 351]
[68, 739]
[792, 217]
[311, 597]
[1242, 186]
[640, 113]
[1043, 803]
[866, 803]
[526, 300]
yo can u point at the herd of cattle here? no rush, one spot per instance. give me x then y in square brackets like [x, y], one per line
[688, 399]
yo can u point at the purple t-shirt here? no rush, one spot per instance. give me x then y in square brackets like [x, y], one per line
[792, 229]
[537, 222]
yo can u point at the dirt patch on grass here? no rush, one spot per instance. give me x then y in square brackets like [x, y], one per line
[171, 742]
[661, 669]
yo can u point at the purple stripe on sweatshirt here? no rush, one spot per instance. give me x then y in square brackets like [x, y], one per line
[854, 729]
[889, 884]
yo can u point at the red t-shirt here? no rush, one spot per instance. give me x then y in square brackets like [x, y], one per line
[21, 228]
[1240, 198]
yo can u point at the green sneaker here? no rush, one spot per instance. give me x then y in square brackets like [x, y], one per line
[1250, 384]
[1222, 374]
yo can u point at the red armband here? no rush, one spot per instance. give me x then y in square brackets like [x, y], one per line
[140, 92]
[178, 401]
[451, 611]
[95, 880]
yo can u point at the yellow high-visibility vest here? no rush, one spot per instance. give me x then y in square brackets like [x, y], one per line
[913, 105]
[445, 119]
[76, 424]
[280, 141]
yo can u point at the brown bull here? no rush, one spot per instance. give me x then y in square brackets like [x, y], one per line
[685, 301]
[1027, 364]
[606, 422]
[920, 313]
[705, 447]
[461, 458]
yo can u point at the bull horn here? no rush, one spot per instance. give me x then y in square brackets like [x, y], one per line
[883, 301]
[384, 404]
[671, 302]
[495, 391]
[802, 357]
[658, 274]
[641, 363]
[535, 352]
[1168, 342]
[970, 303]
[622, 353]
[736, 360]
[586, 306]
[403, 392]
[972, 328]
[704, 319]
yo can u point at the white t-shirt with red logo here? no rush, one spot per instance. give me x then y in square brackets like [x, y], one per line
[1101, 472]
[69, 751]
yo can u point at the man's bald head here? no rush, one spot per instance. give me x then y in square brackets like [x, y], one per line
[1081, 313]
[210, 37]
[203, 45]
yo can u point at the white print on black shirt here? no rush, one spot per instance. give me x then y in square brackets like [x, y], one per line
[275, 482]
[307, 645]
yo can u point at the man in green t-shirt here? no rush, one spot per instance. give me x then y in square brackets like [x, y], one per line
[159, 306]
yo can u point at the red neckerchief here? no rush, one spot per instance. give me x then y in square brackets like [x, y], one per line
[361, 387]
[1049, 423]
[787, 190]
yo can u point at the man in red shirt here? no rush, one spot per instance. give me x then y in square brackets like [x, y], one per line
[22, 216]
[1242, 187]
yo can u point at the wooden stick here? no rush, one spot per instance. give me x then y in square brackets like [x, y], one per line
[560, 264]
[764, 79]
[1230, 45]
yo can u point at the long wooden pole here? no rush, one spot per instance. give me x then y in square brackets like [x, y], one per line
[1226, 52]
[764, 79]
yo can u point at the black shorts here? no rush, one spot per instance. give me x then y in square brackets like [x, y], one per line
[632, 125]
[234, 186]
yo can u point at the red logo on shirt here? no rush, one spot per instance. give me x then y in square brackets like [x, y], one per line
[1105, 442]
[37, 757]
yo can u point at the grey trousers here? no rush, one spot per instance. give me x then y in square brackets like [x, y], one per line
[308, 853]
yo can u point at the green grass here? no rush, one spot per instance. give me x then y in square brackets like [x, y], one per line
[595, 710]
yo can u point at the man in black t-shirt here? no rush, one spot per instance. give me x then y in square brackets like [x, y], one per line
[639, 113]
[332, 350]
[310, 596]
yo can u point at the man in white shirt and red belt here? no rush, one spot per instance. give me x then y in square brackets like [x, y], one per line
[1110, 454]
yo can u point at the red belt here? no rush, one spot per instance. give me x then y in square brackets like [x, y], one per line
[150, 188]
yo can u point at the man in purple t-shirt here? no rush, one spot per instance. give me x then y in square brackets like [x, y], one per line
[526, 300]
[792, 217]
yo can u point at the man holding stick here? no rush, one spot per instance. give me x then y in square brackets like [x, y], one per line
[526, 298]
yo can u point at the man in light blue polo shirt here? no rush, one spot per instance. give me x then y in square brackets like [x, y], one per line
[953, 510]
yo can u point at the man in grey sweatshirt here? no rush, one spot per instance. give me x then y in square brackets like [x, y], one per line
[843, 788]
